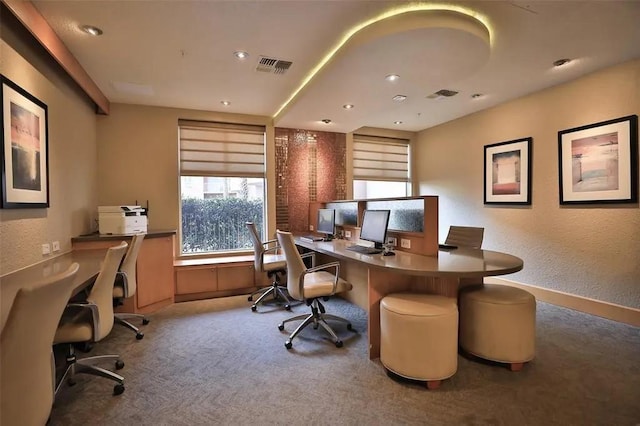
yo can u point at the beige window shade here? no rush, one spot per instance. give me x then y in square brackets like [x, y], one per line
[221, 149]
[378, 158]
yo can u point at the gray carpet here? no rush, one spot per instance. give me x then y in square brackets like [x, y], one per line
[214, 362]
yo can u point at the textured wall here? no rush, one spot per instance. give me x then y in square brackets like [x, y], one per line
[592, 251]
[310, 167]
[72, 153]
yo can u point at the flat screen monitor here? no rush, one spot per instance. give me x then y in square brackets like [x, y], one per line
[326, 222]
[374, 226]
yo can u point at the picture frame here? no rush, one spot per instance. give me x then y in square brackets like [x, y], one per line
[24, 159]
[598, 163]
[507, 172]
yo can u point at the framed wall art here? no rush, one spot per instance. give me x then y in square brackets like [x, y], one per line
[598, 163]
[507, 172]
[24, 157]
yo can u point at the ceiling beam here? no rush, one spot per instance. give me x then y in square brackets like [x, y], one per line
[33, 21]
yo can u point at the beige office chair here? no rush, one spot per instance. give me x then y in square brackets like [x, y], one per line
[273, 269]
[465, 236]
[26, 360]
[92, 321]
[126, 284]
[310, 285]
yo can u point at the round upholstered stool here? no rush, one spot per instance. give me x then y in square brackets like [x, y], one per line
[419, 336]
[498, 323]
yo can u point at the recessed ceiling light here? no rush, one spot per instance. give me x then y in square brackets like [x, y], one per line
[399, 98]
[347, 106]
[326, 121]
[392, 77]
[225, 103]
[561, 62]
[476, 95]
[397, 122]
[90, 29]
[241, 54]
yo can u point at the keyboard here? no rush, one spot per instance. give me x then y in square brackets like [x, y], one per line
[364, 250]
[311, 238]
[447, 247]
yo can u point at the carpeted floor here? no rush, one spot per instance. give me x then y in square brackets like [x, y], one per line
[214, 362]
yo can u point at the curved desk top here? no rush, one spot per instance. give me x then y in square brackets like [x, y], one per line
[89, 261]
[460, 262]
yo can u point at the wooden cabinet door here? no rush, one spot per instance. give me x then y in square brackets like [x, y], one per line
[235, 276]
[196, 280]
[155, 271]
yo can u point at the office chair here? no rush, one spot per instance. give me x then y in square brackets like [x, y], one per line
[91, 321]
[310, 285]
[26, 358]
[272, 267]
[125, 286]
[465, 236]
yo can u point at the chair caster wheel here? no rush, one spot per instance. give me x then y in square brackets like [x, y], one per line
[139, 336]
[339, 344]
[250, 299]
[280, 327]
[350, 327]
[119, 364]
[254, 308]
[145, 321]
[288, 344]
[118, 389]
[287, 307]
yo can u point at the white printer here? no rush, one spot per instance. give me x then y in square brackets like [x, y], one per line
[118, 220]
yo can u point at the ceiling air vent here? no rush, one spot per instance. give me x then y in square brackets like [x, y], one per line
[276, 66]
[444, 93]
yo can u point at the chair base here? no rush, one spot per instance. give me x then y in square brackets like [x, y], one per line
[275, 290]
[88, 366]
[121, 318]
[317, 317]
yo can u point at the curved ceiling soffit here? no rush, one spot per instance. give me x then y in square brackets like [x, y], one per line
[394, 24]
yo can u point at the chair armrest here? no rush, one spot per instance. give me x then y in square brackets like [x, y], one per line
[95, 314]
[336, 274]
[121, 278]
[312, 255]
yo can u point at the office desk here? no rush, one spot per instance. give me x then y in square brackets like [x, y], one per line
[380, 275]
[89, 261]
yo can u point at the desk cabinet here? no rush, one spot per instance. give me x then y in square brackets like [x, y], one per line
[154, 269]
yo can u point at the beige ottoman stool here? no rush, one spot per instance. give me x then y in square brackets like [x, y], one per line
[498, 323]
[419, 336]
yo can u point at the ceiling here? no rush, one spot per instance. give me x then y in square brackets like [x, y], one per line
[181, 54]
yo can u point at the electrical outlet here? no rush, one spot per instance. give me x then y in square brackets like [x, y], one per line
[55, 246]
[310, 227]
[46, 249]
[405, 243]
[347, 234]
[393, 241]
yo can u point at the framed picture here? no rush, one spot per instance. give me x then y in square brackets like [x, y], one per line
[24, 157]
[507, 172]
[599, 162]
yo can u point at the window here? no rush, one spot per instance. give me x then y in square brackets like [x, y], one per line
[380, 167]
[222, 185]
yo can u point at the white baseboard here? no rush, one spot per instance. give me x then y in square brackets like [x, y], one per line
[607, 310]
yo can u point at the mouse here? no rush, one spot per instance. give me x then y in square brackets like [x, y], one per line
[389, 253]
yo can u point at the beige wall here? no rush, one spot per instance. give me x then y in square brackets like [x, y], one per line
[72, 155]
[591, 251]
[138, 158]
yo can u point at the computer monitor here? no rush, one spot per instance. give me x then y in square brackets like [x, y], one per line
[326, 222]
[374, 226]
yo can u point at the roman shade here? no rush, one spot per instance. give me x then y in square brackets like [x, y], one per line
[380, 158]
[221, 149]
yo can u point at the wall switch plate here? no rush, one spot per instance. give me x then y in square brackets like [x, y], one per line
[405, 243]
[55, 246]
[393, 241]
[46, 249]
[347, 234]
